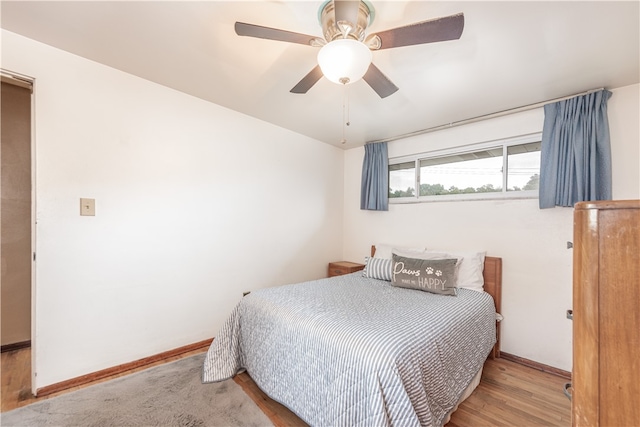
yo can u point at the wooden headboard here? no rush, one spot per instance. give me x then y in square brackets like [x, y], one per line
[492, 274]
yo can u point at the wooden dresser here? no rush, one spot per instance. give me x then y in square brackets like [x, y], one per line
[339, 268]
[606, 314]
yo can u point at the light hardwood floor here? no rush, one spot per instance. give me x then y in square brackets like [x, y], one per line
[509, 394]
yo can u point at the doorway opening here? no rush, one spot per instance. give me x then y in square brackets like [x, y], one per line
[17, 213]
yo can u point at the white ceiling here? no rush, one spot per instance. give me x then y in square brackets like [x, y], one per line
[510, 54]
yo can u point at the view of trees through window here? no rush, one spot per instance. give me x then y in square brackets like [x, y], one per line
[480, 171]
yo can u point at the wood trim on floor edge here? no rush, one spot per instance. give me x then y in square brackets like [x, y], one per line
[536, 365]
[115, 370]
[15, 346]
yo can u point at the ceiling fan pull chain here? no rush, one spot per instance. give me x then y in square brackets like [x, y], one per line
[345, 113]
[346, 95]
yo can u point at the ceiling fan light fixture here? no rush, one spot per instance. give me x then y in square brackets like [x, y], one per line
[344, 61]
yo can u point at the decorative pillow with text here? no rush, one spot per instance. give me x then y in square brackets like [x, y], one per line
[438, 276]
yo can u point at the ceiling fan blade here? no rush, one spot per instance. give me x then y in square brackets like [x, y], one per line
[308, 81]
[379, 82]
[251, 30]
[346, 10]
[434, 30]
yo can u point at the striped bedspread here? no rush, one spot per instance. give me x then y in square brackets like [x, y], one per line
[354, 351]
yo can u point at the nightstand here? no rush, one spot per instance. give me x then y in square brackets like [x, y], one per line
[343, 267]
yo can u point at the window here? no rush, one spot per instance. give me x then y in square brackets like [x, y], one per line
[509, 168]
[402, 180]
[523, 171]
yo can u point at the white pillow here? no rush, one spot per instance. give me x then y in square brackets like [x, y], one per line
[385, 251]
[470, 270]
[470, 267]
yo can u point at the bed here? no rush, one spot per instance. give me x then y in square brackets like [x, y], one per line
[354, 350]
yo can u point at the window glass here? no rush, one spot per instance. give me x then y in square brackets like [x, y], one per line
[465, 173]
[402, 180]
[509, 168]
[523, 163]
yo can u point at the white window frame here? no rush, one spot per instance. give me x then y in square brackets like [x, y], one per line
[504, 194]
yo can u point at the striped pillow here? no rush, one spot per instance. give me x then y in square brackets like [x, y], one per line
[377, 268]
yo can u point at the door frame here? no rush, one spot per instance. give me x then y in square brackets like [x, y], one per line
[28, 81]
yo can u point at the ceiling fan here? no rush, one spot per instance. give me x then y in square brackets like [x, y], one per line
[345, 55]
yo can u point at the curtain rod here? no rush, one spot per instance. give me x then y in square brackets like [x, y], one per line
[484, 117]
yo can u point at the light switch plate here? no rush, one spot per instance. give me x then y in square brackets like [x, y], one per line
[87, 207]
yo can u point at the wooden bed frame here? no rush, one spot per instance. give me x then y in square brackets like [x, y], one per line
[492, 274]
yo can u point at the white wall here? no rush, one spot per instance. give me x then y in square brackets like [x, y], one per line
[194, 205]
[537, 266]
[192, 199]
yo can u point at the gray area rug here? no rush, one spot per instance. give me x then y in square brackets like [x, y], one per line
[166, 395]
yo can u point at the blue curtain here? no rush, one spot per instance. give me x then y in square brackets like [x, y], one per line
[575, 158]
[374, 192]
